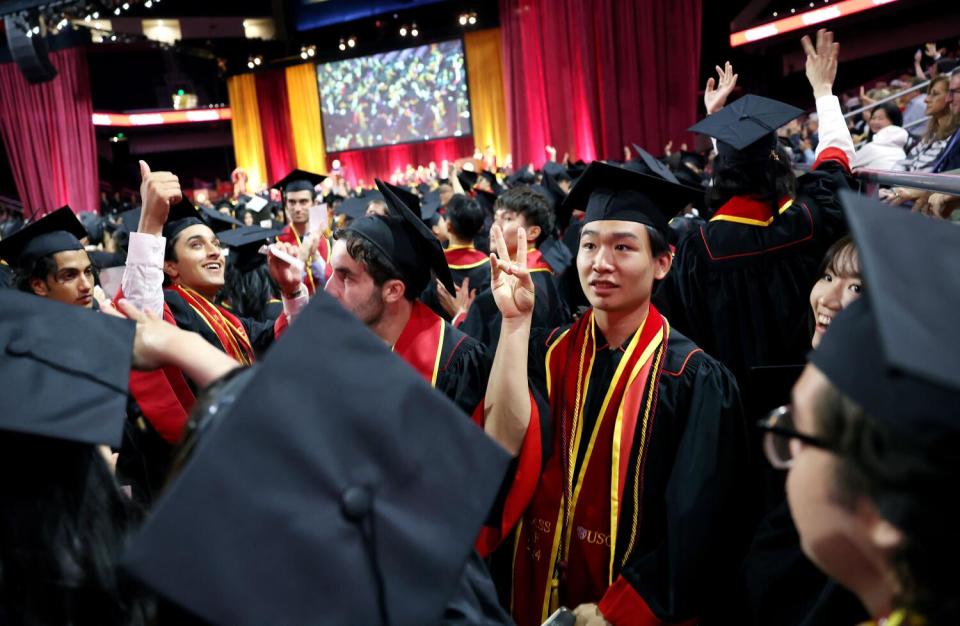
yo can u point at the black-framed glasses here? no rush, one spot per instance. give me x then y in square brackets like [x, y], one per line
[779, 430]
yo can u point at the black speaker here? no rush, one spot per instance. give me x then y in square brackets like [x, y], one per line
[30, 53]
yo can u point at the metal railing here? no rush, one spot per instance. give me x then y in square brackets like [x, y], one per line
[938, 183]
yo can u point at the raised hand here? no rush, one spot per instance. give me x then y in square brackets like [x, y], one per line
[460, 303]
[288, 278]
[931, 50]
[158, 191]
[510, 281]
[551, 152]
[821, 64]
[715, 94]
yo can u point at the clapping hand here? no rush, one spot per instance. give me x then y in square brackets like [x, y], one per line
[510, 281]
[460, 303]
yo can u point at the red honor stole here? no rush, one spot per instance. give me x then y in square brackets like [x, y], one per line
[227, 328]
[535, 262]
[421, 341]
[465, 257]
[750, 211]
[289, 235]
[566, 541]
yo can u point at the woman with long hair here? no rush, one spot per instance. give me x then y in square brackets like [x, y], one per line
[943, 123]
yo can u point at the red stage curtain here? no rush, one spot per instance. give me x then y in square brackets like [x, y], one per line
[274, 109]
[48, 133]
[360, 167]
[591, 76]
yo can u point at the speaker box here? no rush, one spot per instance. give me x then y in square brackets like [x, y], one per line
[30, 53]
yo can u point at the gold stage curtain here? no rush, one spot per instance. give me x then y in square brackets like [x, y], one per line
[485, 76]
[304, 101]
[247, 139]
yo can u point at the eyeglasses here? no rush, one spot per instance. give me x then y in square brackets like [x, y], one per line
[779, 431]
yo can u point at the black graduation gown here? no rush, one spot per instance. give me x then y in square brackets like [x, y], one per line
[260, 333]
[464, 369]
[692, 529]
[479, 279]
[549, 311]
[742, 292]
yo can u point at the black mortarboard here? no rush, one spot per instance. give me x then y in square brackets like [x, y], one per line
[406, 241]
[218, 221]
[298, 176]
[609, 192]
[65, 370]
[522, 177]
[467, 179]
[182, 215]
[365, 515]
[485, 199]
[492, 179]
[409, 199]
[576, 169]
[893, 351]
[554, 169]
[423, 189]
[245, 243]
[556, 254]
[354, 208]
[740, 125]
[430, 207]
[54, 232]
[645, 163]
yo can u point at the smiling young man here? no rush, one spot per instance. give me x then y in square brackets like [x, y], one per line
[49, 259]
[175, 269]
[632, 465]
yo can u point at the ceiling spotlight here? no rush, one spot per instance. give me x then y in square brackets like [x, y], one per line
[113, 37]
[352, 42]
[117, 11]
[311, 51]
[342, 46]
[36, 30]
[258, 60]
[472, 19]
[303, 55]
[463, 19]
[250, 64]
[403, 31]
[414, 32]
[148, 3]
[126, 6]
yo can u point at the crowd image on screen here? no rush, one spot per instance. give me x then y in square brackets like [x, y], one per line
[397, 97]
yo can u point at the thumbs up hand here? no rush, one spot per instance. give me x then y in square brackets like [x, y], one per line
[158, 191]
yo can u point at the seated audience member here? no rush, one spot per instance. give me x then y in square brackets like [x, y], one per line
[871, 434]
[521, 207]
[940, 129]
[914, 107]
[884, 148]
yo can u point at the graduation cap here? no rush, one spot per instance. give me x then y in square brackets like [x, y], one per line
[298, 176]
[354, 208]
[182, 215]
[893, 351]
[245, 243]
[645, 163]
[467, 179]
[576, 169]
[50, 348]
[556, 254]
[521, 177]
[324, 520]
[739, 126]
[218, 221]
[410, 199]
[54, 232]
[609, 192]
[406, 241]
[556, 170]
[430, 208]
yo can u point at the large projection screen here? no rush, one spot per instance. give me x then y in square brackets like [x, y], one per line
[402, 96]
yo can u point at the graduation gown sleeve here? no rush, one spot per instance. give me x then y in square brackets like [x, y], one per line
[672, 575]
[464, 369]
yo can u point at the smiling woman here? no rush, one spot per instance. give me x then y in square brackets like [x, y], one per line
[839, 284]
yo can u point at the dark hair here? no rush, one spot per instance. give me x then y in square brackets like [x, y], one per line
[63, 526]
[767, 180]
[892, 111]
[925, 562]
[532, 205]
[42, 268]
[464, 217]
[658, 242]
[300, 185]
[842, 254]
[375, 262]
